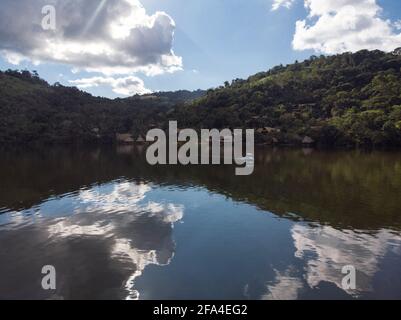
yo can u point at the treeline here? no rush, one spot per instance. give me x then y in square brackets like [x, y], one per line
[347, 99]
[352, 99]
[32, 111]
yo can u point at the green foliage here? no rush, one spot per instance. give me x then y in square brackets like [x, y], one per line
[33, 111]
[347, 99]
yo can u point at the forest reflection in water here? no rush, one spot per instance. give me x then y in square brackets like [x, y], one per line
[115, 227]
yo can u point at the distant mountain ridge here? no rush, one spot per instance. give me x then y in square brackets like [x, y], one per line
[170, 98]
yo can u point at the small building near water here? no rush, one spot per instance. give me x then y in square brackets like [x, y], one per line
[125, 138]
[268, 130]
[308, 141]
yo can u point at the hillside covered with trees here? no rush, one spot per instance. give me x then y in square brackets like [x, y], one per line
[347, 99]
[352, 99]
[32, 111]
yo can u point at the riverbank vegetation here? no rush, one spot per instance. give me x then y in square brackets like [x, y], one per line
[352, 99]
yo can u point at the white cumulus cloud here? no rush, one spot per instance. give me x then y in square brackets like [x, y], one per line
[336, 26]
[126, 86]
[106, 36]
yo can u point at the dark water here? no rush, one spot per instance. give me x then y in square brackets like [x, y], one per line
[114, 227]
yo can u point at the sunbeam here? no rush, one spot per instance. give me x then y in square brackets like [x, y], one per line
[93, 18]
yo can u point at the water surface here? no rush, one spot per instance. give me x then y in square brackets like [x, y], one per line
[116, 228]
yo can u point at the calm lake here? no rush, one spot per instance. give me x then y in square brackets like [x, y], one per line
[116, 228]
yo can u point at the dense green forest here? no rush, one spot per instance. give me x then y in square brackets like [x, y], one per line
[347, 99]
[33, 111]
[352, 99]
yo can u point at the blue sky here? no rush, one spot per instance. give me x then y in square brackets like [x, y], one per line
[214, 40]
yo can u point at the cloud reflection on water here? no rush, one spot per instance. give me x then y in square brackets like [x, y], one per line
[324, 251]
[111, 212]
[135, 231]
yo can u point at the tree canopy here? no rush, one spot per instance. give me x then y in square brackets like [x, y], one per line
[347, 99]
[352, 99]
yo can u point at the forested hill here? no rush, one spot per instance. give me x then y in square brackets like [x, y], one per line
[32, 111]
[348, 99]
